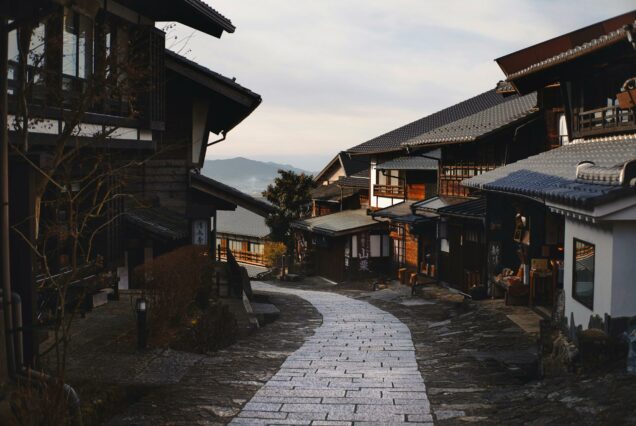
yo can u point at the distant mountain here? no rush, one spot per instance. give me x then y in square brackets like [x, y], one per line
[249, 176]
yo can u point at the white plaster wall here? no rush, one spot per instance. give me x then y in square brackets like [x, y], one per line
[379, 202]
[601, 237]
[372, 200]
[624, 270]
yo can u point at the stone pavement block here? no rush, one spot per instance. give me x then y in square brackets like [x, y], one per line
[263, 414]
[363, 354]
[287, 399]
[262, 406]
[319, 408]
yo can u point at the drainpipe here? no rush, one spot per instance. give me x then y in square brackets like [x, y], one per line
[4, 196]
[514, 137]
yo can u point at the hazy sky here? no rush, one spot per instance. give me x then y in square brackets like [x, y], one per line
[335, 73]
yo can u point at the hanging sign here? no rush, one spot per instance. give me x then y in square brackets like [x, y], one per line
[200, 232]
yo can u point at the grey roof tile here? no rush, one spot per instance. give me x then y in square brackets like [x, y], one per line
[480, 124]
[412, 162]
[355, 181]
[392, 141]
[342, 223]
[576, 51]
[552, 174]
[159, 221]
[242, 222]
[471, 208]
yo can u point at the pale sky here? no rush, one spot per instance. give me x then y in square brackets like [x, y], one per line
[336, 73]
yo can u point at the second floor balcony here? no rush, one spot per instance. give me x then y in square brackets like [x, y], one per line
[604, 121]
[389, 191]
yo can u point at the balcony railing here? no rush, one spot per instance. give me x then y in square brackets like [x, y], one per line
[391, 191]
[244, 256]
[610, 119]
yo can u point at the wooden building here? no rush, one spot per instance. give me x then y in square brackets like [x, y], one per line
[343, 246]
[471, 146]
[341, 185]
[589, 182]
[103, 89]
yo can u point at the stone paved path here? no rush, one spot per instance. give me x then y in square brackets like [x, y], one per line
[358, 368]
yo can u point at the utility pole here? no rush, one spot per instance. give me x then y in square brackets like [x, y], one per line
[4, 196]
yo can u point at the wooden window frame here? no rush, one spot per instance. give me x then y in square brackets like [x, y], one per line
[574, 279]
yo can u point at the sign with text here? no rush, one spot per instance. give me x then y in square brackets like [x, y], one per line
[200, 232]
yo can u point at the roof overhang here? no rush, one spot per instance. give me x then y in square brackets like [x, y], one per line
[193, 13]
[230, 102]
[228, 194]
[535, 66]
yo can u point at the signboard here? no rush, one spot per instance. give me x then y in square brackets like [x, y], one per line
[200, 232]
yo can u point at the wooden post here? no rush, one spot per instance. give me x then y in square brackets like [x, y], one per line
[4, 190]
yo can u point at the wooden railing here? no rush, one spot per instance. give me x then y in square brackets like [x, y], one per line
[244, 257]
[391, 191]
[610, 119]
[452, 175]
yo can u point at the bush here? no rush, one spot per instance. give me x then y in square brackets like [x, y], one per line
[273, 253]
[173, 282]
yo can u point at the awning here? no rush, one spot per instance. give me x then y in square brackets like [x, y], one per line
[432, 205]
[470, 209]
[160, 222]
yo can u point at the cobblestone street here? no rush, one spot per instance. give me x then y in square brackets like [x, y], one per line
[359, 366]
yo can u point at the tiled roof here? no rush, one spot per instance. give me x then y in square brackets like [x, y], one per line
[355, 181]
[472, 209]
[342, 223]
[412, 162]
[212, 14]
[241, 222]
[480, 124]
[433, 204]
[577, 51]
[553, 174]
[392, 141]
[332, 192]
[214, 75]
[351, 165]
[232, 195]
[402, 213]
[159, 221]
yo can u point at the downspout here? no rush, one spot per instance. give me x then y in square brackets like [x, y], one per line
[514, 137]
[4, 196]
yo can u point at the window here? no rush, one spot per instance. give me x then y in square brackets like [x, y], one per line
[583, 273]
[78, 45]
[354, 246]
[379, 245]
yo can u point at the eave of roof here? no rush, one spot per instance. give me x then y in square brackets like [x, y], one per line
[354, 182]
[392, 141]
[516, 61]
[481, 124]
[586, 48]
[248, 98]
[193, 13]
[433, 204]
[338, 224]
[412, 162]
[552, 175]
[469, 209]
[158, 221]
[229, 194]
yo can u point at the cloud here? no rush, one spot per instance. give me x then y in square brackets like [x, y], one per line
[335, 73]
